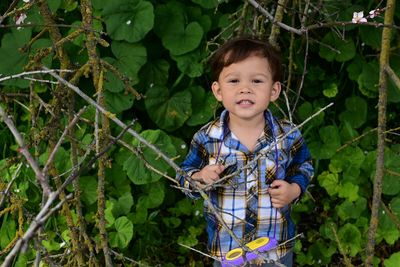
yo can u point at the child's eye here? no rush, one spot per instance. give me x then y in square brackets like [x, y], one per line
[257, 81]
[233, 81]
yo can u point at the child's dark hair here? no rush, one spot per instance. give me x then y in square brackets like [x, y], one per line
[238, 49]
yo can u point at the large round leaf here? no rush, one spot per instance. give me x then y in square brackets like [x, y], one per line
[135, 166]
[369, 79]
[155, 72]
[183, 40]
[152, 196]
[128, 20]
[124, 232]
[350, 239]
[169, 112]
[88, 186]
[12, 61]
[130, 58]
[118, 102]
[176, 34]
[168, 17]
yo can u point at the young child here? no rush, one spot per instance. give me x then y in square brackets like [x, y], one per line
[256, 201]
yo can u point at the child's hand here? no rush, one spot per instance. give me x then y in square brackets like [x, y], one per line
[282, 193]
[208, 175]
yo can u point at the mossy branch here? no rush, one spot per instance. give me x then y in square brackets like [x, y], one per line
[380, 160]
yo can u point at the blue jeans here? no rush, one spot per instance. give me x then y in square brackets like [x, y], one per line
[286, 260]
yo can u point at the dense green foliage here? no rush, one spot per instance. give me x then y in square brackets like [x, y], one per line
[159, 51]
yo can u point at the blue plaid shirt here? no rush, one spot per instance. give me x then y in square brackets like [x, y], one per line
[243, 200]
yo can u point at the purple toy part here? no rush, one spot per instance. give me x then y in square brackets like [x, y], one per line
[273, 243]
[233, 258]
[230, 263]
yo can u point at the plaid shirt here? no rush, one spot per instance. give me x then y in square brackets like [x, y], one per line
[243, 200]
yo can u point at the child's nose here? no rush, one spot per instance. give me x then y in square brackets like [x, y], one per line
[245, 89]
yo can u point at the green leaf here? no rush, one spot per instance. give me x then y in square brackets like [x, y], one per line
[7, 231]
[140, 215]
[335, 48]
[153, 195]
[329, 181]
[123, 205]
[184, 39]
[322, 252]
[330, 90]
[12, 60]
[190, 63]
[172, 222]
[155, 72]
[393, 260]
[207, 3]
[167, 18]
[130, 58]
[169, 112]
[350, 239]
[387, 229]
[391, 181]
[356, 111]
[128, 20]
[118, 102]
[354, 69]
[349, 191]
[178, 36]
[369, 79]
[183, 207]
[395, 206]
[203, 106]
[371, 36]
[331, 141]
[135, 167]
[124, 233]
[349, 161]
[88, 186]
[110, 219]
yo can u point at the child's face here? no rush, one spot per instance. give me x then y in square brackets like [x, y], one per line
[246, 88]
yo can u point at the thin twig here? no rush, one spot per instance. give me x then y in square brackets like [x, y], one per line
[24, 151]
[31, 73]
[61, 139]
[272, 19]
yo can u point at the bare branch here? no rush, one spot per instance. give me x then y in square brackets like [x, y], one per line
[53, 153]
[39, 220]
[380, 159]
[272, 19]
[14, 76]
[24, 151]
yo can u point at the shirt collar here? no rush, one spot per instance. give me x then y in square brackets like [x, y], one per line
[219, 128]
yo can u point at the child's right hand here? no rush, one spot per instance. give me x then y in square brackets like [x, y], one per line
[208, 175]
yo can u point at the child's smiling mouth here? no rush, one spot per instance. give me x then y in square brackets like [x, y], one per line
[245, 102]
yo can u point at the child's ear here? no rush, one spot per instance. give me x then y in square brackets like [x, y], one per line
[276, 90]
[216, 91]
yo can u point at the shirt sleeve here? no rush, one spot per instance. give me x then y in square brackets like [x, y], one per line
[300, 169]
[195, 160]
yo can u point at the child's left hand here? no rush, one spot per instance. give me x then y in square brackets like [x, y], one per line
[282, 193]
